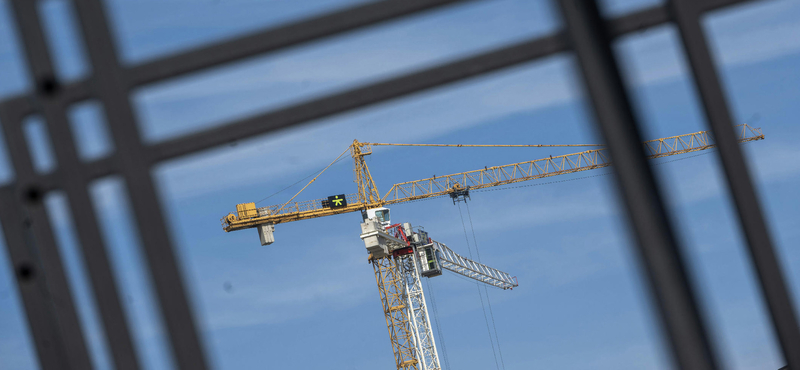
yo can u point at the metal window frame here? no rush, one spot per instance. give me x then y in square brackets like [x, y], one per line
[51, 314]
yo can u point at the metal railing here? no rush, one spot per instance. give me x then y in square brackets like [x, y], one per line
[302, 206]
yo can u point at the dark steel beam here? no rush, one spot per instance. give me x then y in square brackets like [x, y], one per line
[36, 251]
[657, 249]
[29, 273]
[751, 218]
[316, 28]
[406, 84]
[93, 251]
[111, 84]
[358, 97]
[183, 63]
[164, 269]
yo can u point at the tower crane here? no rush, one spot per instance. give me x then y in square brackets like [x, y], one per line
[401, 256]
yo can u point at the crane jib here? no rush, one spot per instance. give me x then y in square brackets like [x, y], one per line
[368, 197]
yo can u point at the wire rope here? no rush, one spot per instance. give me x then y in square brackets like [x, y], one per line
[301, 180]
[438, 324]
[488, 302]
[475, 241]
[478, 285]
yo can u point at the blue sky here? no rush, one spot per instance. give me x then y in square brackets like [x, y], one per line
[310, 298]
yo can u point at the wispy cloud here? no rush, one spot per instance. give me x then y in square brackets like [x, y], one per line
[739, 37]
[279, 156]
[776, 162]
[653, 58]
[264, 295]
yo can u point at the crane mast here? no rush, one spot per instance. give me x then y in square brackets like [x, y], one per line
[419, 313]
[391, 286]
[400, 257]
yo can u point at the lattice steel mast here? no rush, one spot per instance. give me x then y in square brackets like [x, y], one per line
[402, 256]
[419, 313]
[392, 289]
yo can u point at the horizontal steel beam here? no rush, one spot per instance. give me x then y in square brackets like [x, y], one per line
[261, 42]
[478, 64]
[283, 37]
[467, 67]
[399, 86]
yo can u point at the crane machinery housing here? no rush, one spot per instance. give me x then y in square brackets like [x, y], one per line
[401, 256]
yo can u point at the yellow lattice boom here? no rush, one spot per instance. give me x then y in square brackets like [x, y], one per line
[368, 196]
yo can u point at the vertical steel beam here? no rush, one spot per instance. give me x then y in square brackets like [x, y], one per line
[48, 274]
[31, 282]
[657, 248]
[751, 219]
[111, 87]
[75, 182]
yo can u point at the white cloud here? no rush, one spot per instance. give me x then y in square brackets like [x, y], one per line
[281, 155]
[587, 254]
[286, 290]
[695, 180]
[738, 37]
[531, 209]
[759, 44]
[653, 57]
[775, 162]
[755, 32]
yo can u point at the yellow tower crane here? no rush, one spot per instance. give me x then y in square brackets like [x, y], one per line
[368, 197]
[400, 255]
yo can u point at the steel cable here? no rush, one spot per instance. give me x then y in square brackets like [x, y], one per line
[301, 180]
[478, 285]
[489, 302]
[438, 324]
